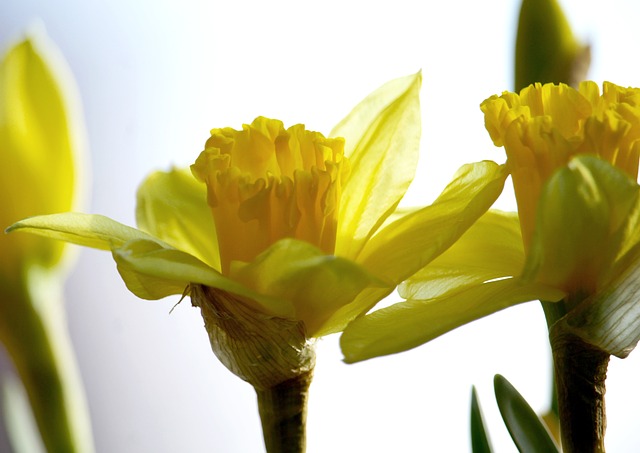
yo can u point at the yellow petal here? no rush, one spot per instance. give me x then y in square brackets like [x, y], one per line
[417, 236]
[580, 223]
[382, 137]
[409, 324]
[316, 284]
[410, 243]
[90, 230]
[173, 206]
[153, 271]
[41, 135]
[490, 249]
[347, 313]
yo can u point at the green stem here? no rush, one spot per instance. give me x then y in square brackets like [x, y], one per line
[283, 412]
[580, 370]
[35, 333]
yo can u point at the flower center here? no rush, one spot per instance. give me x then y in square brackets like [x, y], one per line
[544, 126]
[266, 183]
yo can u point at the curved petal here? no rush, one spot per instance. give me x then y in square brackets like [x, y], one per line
[409, 324]
[347, 313]
[490, 249]
[382, 138]
[580, 223]
[153, 271]
[173, 206]
[410, 243]
[90, 230]
[316, 284]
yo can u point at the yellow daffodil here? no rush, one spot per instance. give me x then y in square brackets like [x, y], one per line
[573, 157]
[546, 48]
[41, 135]
[281, 235]
[575, 243]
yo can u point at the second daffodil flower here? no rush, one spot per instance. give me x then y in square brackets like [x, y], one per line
[575, 243]
[283, 235]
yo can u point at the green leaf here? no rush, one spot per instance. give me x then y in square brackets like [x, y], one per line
[173, 206]
[527, 430]
[479, 439]
[382, 139]
[409, 324]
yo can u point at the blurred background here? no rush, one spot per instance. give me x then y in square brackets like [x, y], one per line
[155, 76]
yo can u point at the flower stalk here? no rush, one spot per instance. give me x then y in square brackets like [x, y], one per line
[283, 412]
[580, 372]
[270, 353]
[46, 366]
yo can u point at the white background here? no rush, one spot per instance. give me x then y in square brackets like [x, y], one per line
[155, 76]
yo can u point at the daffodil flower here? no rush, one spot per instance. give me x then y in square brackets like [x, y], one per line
[575, 243]
[41, 137]
[283, 235]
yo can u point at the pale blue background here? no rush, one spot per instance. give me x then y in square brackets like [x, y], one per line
[155, 76]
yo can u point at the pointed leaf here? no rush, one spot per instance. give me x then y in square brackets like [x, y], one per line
[89, 230]
[173, 206]
[479, 438]
[409, 324]
[527, 430]
[382, 138]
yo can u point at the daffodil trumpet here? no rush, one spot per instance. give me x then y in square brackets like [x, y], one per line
[574, 243]
[282, 235]
[41, 144]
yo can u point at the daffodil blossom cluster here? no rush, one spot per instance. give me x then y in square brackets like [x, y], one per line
[281, 235]
[573, 158]
[310, 226]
